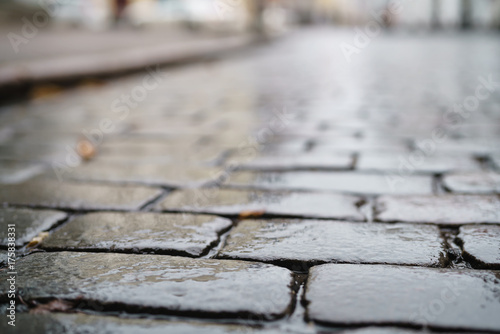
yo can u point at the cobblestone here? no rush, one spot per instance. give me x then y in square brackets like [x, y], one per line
[16, 172]
[139, 232]
[481, 245]
[432, 164]
[375, 294]
[236, 202]
[300, 162]
[77, 196]
[331, 163]
[350, 182]
[173, 285]
[81, 323]
[160, 174]
[28, 223]
[312, 241]
[473, 183]
[443, 209]
[3, 258]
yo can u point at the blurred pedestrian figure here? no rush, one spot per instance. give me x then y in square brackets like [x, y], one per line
[119, 9]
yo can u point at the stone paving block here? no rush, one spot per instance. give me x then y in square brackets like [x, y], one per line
[477, 146]
[179, 234]
[32, 152]
[77, 196]
[236, 202]
[84, 323]
[496, 161]
[427, 164]
[481, 245]
[164, 151]
[377, 294]
[297, 162]
[473, 183]
[313, 241]
[174, 175]
[28, 223]
[351, 182]
[17, 171]
[440, 209]
[360, 144]
[166, 284]
[383, 330]
[3, 257]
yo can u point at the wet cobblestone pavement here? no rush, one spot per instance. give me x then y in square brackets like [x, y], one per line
[279, 190]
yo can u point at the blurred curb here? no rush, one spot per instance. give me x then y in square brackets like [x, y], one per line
[17, 79]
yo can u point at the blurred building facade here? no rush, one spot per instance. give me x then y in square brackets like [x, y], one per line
[242, 14]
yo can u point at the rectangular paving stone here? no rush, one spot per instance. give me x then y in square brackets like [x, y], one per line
[439, 209]
[390, 144]
[349, 294]
[177, 234]
[473, 183]
[16, 171]
[296, 162]
[481, 245]
[235, 202]
[28, 223]
[77, 196]
[166, 284]
[27, 323]
[496, 161]
[412, 162]
[351, 182]
[3, 258]
[175, 175]
[313, 241]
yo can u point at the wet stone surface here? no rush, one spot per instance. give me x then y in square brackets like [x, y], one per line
[473, 183]
[312, 241]
[172, 285]
[496, 161]
[445, 209]
[3, 257]
[16, 172]
[377, 294]
[481, 245]
[163, 174]
[350, 182]
[179, 234]
[428, 164]
[297, 162]
[82, 323]
[77, 196]
[383, 330]
[236, 202]
[28, 223]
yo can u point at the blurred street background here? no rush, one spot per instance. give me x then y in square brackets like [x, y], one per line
[250, 166]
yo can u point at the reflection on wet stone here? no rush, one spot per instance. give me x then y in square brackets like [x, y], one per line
[350, 182]
[175, 285]
[74, 195]
[147, 173]
[445, 209]
[139, 232]
[312, 242]
[28, 223]
[376, 294]
[81, 323]
[481, 245]
[234, 202]
[473, 183]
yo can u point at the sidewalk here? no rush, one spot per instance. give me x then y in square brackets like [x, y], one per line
[55, 55]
